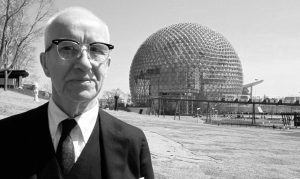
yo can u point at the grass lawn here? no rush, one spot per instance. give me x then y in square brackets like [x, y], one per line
[187, 149]
[13, 103]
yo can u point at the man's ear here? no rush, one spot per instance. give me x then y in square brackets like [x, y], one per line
[108, 62]
[44, 64]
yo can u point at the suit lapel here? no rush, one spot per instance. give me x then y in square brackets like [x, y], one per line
[89, 161]
[114, 147]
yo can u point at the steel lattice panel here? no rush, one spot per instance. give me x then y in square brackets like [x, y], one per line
[185, 58]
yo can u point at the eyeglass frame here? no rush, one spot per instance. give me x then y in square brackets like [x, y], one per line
[57, 41]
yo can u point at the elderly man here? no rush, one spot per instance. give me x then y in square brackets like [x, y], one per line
[69, 137]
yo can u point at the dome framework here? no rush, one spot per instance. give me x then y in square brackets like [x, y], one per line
[185, 59]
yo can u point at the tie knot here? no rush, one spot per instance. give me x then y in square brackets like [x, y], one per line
[67, 126]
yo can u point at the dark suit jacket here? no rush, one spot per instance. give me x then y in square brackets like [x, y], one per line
[26, 147]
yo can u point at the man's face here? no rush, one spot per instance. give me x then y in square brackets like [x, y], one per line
[79, 79]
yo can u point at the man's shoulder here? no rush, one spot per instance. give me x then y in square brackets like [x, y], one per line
[25, 116]
[119, 124]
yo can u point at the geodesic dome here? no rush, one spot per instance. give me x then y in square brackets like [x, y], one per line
[185, 59]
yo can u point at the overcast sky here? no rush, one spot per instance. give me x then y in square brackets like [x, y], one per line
[264, 33]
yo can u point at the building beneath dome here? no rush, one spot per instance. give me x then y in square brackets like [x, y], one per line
[185, 60]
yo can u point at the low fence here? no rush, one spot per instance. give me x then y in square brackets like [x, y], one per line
[244, 113]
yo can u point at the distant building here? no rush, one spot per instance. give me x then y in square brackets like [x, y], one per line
[15, 79]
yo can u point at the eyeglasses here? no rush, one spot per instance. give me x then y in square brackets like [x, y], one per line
[69, 49]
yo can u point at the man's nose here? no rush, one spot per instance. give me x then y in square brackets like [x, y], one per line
[83, 62]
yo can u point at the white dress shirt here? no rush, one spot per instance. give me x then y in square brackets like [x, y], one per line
[81, 132]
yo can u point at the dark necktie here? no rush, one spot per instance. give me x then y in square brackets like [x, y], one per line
[65, 149]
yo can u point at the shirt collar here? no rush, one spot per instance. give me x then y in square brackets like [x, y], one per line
[86, 121]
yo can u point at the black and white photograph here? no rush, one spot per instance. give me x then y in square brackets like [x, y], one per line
[161, 89]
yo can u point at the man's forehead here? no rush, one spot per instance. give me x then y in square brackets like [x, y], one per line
[81, 29]
[77, 23]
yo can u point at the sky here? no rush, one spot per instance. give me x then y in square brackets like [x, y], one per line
[264, 33]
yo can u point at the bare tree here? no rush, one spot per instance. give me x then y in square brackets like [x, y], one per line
[117, 93]
[115, 96]
[108, 96]
[20, 25]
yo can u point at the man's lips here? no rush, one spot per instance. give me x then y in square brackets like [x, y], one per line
[82, 81]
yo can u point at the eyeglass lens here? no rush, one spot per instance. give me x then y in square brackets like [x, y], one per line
[69, 50]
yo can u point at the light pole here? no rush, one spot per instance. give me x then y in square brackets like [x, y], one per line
[251, 94]
[116, 97]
